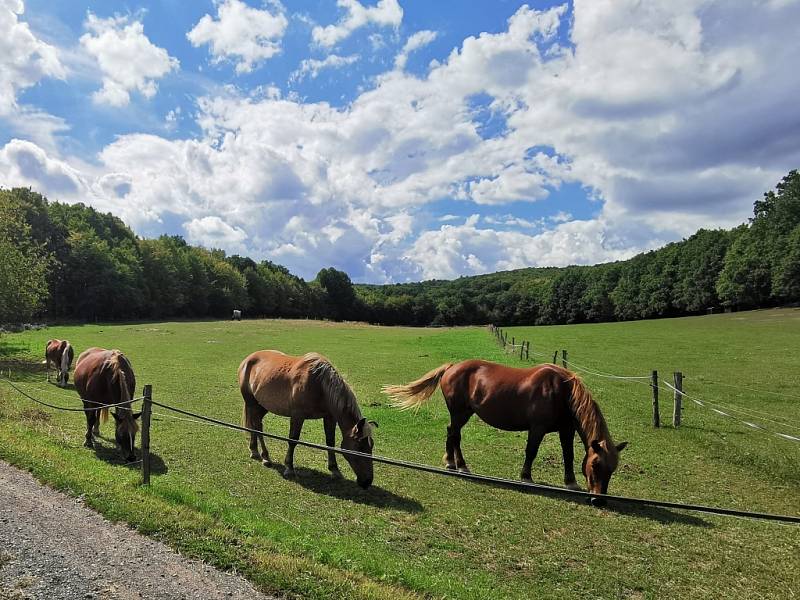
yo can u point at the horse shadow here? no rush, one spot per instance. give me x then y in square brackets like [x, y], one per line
[653, 513]
[321, 482]
[109, 454]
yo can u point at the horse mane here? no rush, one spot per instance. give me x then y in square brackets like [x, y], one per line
[339, 394]
[117, 362]
[587, 412]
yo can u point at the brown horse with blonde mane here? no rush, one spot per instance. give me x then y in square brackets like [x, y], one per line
[539, 400]
[304, 387]
[59, 354]
[105, 377]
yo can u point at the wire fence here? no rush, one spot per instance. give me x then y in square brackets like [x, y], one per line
[716, 407]
[543, 489]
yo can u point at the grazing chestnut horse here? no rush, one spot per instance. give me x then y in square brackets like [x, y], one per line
[304, 387]
[538, 400]
[104, 377]
[59, 354]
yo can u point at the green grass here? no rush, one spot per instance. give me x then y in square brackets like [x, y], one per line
[419, 534]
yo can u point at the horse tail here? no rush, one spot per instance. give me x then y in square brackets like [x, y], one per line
[103, 414]
[66, 356]
[247, 393]
[416, 393]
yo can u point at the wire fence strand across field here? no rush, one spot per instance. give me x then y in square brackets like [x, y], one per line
[539, 488]
[67, 408]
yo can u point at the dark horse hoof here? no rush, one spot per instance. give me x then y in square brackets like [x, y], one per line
[266, 462]
[88, 444]
[289, 474]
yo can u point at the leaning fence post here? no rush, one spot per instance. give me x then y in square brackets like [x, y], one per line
[555, 356]
[676, 412]
[564, 360]
[654, 385]
[146, 409]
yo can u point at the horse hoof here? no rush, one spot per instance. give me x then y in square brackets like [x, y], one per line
[526, 479]
[266, 462]
[450, 466]
[88, 444]
[464, 470]
[289, 474]
[255, 456]
[598, 502]
[573, 486]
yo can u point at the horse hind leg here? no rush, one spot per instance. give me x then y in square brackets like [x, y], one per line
[454, 458]
[255, 420]
[91, 417]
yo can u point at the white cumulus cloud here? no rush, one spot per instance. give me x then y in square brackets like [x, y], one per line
[416, 41]
[311, 67]
[128, 60]
[386, 13]
[244, 35]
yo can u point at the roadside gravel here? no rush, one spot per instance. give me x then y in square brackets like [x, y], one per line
[54, 547]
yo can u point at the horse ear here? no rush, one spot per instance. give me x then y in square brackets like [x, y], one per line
[596, 446]
[621, 447]
[373, 423]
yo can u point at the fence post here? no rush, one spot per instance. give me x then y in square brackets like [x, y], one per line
[521, 349]
[512, 341]
[676, 412]
[654, 385]
[564, 358]
[147, 407]
[555, 356]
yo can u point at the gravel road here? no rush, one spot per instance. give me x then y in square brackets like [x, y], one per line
[54, 547]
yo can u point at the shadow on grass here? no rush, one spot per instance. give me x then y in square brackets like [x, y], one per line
[346, 489]
[654, 513]
[108, 453]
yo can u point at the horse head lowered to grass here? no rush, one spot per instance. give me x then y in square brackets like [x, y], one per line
[538, 400]
[105, 377]
[304, 387]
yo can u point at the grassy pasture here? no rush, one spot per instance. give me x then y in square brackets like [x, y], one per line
[416, 534]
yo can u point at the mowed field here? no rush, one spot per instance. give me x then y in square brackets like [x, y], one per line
[422, 535]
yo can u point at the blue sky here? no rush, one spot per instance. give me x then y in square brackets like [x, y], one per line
[403, 140]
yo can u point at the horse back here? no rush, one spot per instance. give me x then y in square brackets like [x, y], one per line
[281, 384]
[509, 398]
[94, 377]
[53, 351]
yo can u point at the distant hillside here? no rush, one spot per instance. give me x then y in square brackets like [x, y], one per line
[70, 261]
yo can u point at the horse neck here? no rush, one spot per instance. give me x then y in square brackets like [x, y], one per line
[591, 424]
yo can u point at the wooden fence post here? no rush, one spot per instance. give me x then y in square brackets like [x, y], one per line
[512, 341]
[528, 351]
[654, 385]
[564, 359]
[676, 412]
[147, 407]
[555, 356]
[521, 349]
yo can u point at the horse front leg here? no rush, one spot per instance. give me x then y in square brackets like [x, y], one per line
[567, 437]
[329, 423]
[91, 417]
[295, 427]
[535, 436]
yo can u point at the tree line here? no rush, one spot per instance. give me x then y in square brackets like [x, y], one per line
[61, 261]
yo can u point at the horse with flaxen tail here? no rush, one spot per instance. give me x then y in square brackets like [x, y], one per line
[105, 377]
[539, 400]
[59, 354]
[304, 387]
